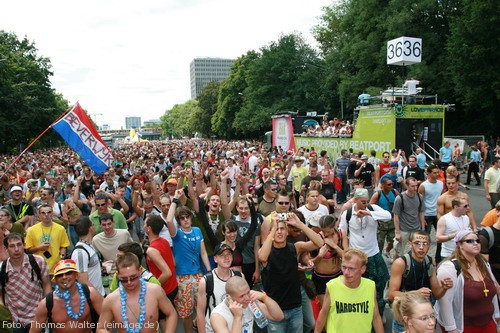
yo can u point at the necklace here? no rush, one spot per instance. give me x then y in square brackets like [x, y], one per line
[485, 291]
[214, 223]
[134, 328]
[66, 296]
[46, 237]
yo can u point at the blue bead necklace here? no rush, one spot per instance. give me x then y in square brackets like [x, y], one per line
[134, 328]
[66, 296]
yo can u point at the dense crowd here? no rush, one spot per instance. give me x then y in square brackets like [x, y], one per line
[228, 236]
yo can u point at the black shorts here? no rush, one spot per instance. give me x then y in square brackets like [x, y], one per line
[320, 281]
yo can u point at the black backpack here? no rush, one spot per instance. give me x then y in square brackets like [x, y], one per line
[403, 202]
[49, 304]
[349, 215]
[4, 278]
[209, 283]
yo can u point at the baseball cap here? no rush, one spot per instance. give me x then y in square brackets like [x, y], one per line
[16, 188]
[394, 150]
[221, 248]
[188, 163]
[364, 157]
[64, 266]
[394, 164]
[172, 181]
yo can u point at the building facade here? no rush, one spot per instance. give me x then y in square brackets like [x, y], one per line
[132, 122]
[206, 70]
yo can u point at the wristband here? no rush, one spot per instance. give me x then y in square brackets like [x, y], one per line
[270, 237]
[265, 296]
[176, 201]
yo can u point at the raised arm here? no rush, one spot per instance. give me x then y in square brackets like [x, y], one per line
[171, 212]
[135, 204]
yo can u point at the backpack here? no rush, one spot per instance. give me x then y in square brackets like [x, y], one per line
[391, 204]
[491, 237]
[407, 259]
[99, 255]
[4, 278]
[209, 283]
[427, 262]
[457, 265]
[349, 213]
[403, 202]
[49, 304]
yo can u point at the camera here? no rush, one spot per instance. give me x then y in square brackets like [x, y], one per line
[282, 216]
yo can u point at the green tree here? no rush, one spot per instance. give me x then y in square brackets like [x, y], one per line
[174, 122]
[353, 36]
[231, 95]
[277, 81]
[474, 51]
[207, 102]
[28, 104]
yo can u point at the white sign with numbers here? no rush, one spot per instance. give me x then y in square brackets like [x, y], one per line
[404, 51]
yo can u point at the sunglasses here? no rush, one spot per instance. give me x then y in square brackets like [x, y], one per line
[283, 203]
[128, 279]
[471, 241]
[100, 205]
[389, 184]
[45, 213]
[424, 244]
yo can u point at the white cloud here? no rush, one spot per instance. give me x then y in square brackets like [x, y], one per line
[131, 58]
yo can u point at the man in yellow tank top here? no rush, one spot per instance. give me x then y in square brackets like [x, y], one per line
[350, 303]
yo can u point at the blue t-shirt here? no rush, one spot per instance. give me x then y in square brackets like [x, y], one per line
[187, 251]
[394, 179]
[446, 154]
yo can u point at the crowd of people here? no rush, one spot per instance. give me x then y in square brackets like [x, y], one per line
[336, 128]
[234, 237]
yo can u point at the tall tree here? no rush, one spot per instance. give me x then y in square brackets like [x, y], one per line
[28, 104]
[174, 122]
[231, 94]
[279, 81]
[207, 102]
[474, 50]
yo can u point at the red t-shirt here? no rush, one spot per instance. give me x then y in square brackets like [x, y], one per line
[163, 247]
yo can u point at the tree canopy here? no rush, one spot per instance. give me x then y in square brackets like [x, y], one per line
[28, 104]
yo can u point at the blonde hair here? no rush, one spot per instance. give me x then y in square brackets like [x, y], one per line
[451, 170]
[404, 305]
[350, 252]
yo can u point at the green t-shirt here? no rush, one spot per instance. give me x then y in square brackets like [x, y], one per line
[120, 221]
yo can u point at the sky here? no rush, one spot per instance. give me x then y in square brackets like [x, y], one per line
[131, 58]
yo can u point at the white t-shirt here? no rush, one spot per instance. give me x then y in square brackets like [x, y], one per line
[312, 216]
[87, 261]
[453, 224]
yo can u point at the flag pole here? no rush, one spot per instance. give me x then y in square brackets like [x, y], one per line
[38, 137]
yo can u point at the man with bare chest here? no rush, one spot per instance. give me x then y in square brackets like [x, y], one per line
[444, 202]
[69, 308]
[135, 305]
